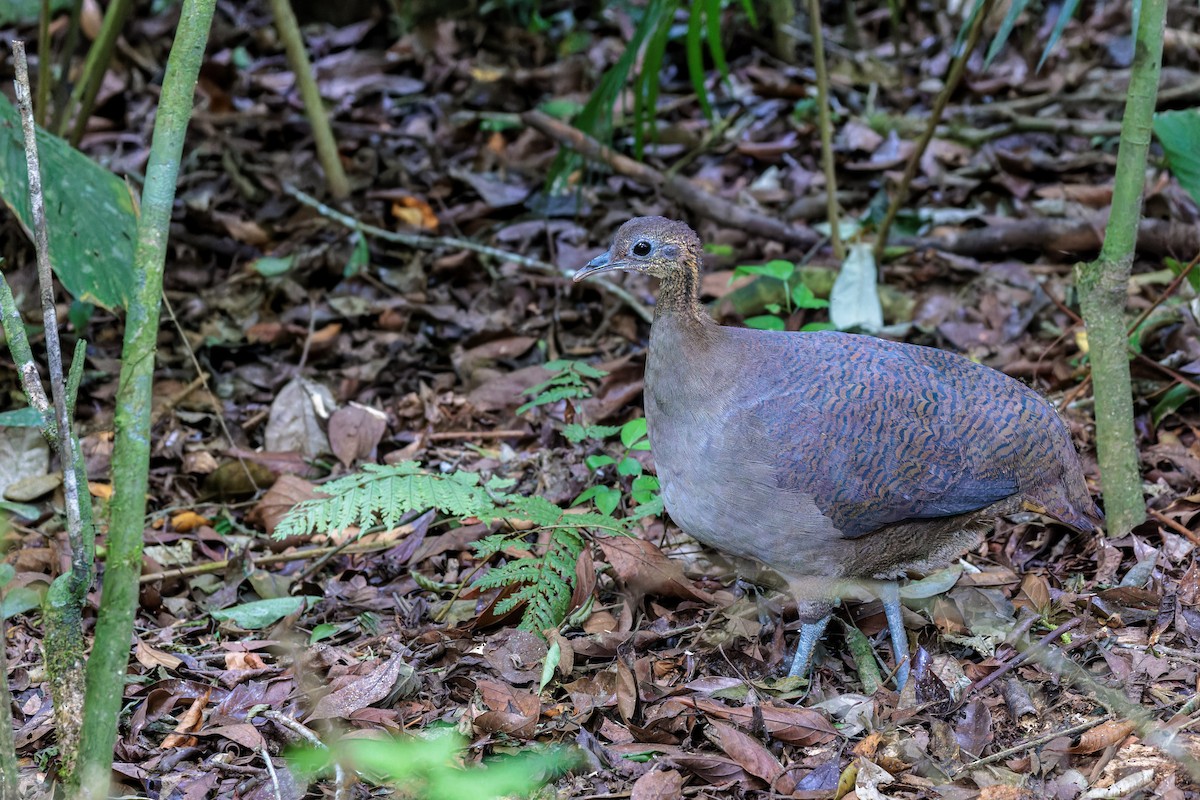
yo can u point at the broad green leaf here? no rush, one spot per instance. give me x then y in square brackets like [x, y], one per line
[26, 12]
[629, 466]
[1177, 267]
[803, 297]
[645, 489]
[261, 613]
[90, 213]
[23, 510]
[597, 461]
[7, 571]
[778, 269]
[632, 431]
[27, 417]
[19, 600]
[1174, 397]
[1179, 134]
[766, 322]
[607, 499]
[321, 632]
[561, 108]
[273, 266]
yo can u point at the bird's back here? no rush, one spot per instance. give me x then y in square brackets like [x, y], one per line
[792, 444]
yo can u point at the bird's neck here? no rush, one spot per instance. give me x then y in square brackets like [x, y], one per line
[679, 296]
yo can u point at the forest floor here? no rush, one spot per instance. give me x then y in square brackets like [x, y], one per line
[671, 682]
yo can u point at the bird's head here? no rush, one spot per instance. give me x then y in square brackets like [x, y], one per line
[664, 248]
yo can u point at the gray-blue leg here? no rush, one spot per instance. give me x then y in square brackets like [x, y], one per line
[889, 593]
[810, 634]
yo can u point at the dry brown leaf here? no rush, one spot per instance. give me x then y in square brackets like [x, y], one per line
[646, 570]
[1101, 736]
[666, 784]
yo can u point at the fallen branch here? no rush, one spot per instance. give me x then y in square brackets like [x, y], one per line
[675, 187]
[424, 242]
[1059, 236]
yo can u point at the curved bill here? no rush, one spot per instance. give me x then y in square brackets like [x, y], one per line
[601, 263]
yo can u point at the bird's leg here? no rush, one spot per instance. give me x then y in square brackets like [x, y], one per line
[810, 634]
[889, 593]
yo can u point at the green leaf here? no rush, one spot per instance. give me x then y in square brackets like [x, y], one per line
[1004, 31]
[812, 327]
[1176, 268]
[360, 256]
[724, 250]
[1065, 12]
[19, 600]
[595, 462]
[766, 322]
[273, 266]
[645, 489]
[629, 466]
[1171, 400]
[7, 572]
[712, 18]
[803, 297]
[27, 417]
[90, 213]
[1179, 134]
[575, 433]
[561, 108]
[553, 657]
[778, 269]
[321, 632]
[606, 499]
[261, 613]
[695, 58]
[632, 431]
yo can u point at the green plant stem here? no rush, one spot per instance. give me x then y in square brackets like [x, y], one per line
[314, 107]
[826, 128]
[63, 644]
[83, 96]
[131, 450]
[1102, 285]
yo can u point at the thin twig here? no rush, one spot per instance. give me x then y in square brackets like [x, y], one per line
[825, 126]
[676, 187]
[273, 558]
[1187, 533]
[957, 69]
[201, 379]
[1029, 744]
[266, 757]
[307, 735]
[436, 242]
[1021, 658]
[41, 240]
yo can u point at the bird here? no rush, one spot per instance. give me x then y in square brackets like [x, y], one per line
[833, 457]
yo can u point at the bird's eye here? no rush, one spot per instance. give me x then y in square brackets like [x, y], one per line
[642, 248]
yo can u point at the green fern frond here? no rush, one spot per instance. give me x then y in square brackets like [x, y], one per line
[544, 585]
[384, 494]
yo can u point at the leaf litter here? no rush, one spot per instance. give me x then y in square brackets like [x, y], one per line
[356, 350]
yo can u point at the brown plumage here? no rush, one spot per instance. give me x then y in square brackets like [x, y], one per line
[831, 456]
